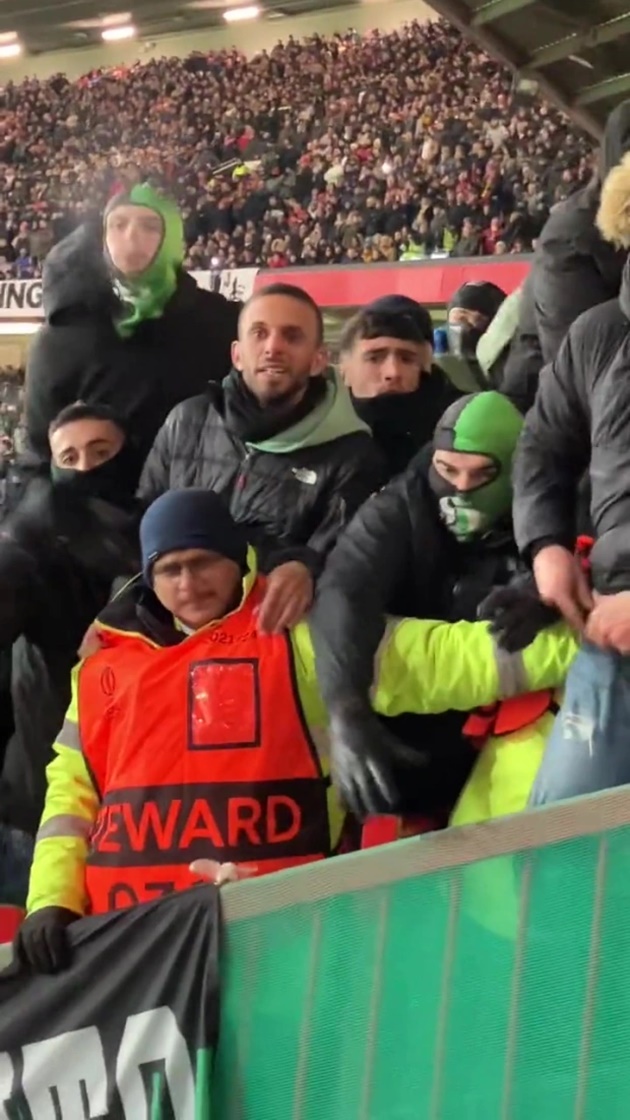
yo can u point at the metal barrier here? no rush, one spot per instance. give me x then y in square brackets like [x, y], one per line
[478, 974]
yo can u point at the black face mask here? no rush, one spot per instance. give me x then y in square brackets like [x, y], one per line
[393, 413]
[402, 423]
[463, 339]
[113, 481]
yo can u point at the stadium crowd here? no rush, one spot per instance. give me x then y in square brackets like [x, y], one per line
[345, 149]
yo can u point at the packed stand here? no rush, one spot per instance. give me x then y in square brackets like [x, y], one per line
[11, 428]
[335, 150]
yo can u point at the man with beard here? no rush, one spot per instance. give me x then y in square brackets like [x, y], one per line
[280, 440]
[125, 325]
[386, 360]
[72, 535]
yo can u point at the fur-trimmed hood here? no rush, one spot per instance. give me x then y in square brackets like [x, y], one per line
[613, 216]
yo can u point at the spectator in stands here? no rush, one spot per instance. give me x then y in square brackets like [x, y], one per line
[125, 326]
[292, 156]
[11, 439]
[579, 423]
[281, 441]
[433, 543]
[11, 405]
[386, 360]
[185, 641]
[574, 269]
[469, 314]
[60, 552]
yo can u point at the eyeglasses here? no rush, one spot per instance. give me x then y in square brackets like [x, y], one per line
[173, 570]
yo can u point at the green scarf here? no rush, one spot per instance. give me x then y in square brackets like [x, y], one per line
[145, 297]
[331, 419]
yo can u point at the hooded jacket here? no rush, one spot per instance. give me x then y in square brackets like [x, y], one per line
[57, 566]
[80, 355]
[398, 557]
[413, 672]
[295, 491]
[579, 423]
[573, 269]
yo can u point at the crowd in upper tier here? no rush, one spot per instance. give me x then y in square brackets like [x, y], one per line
[343, 149]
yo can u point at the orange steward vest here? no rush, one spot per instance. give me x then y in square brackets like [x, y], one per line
[198, 750]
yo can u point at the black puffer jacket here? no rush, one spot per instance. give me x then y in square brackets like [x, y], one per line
[398, 558]
[295, 504]
[78, 354]
[580, 422]
[57, 566]
[573, 270]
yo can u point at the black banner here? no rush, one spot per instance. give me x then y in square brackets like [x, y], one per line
[128, 1032]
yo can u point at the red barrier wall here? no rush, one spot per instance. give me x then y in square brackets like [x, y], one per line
[431, 282]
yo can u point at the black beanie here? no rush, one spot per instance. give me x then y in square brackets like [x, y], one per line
[404, 306]
[478, 295]
[183, 519]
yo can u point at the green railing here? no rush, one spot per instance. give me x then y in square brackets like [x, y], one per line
[477, 974]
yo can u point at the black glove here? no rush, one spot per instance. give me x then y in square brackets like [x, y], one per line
[364, 759]
[516, 614]
[41, 944]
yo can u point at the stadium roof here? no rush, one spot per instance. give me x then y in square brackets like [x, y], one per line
[49, 25]
[577, 51]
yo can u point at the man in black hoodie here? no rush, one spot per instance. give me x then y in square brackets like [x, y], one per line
[386, 360]
[125, 325]
[72, 535]
[573, 269]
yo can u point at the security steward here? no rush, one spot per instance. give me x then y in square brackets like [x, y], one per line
[192, 736]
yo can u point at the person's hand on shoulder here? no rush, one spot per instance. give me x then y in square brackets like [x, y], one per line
[288, 597]
[562, 584]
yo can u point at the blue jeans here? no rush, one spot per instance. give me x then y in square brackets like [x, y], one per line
[589, 746]
[16, 856]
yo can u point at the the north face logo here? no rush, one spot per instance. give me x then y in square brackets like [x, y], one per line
[303, 474]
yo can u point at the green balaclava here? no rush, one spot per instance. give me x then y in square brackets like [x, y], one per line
[478, 424]
[145, 296]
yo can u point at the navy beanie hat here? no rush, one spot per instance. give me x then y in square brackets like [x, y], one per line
[398, 305]
[183, 519]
